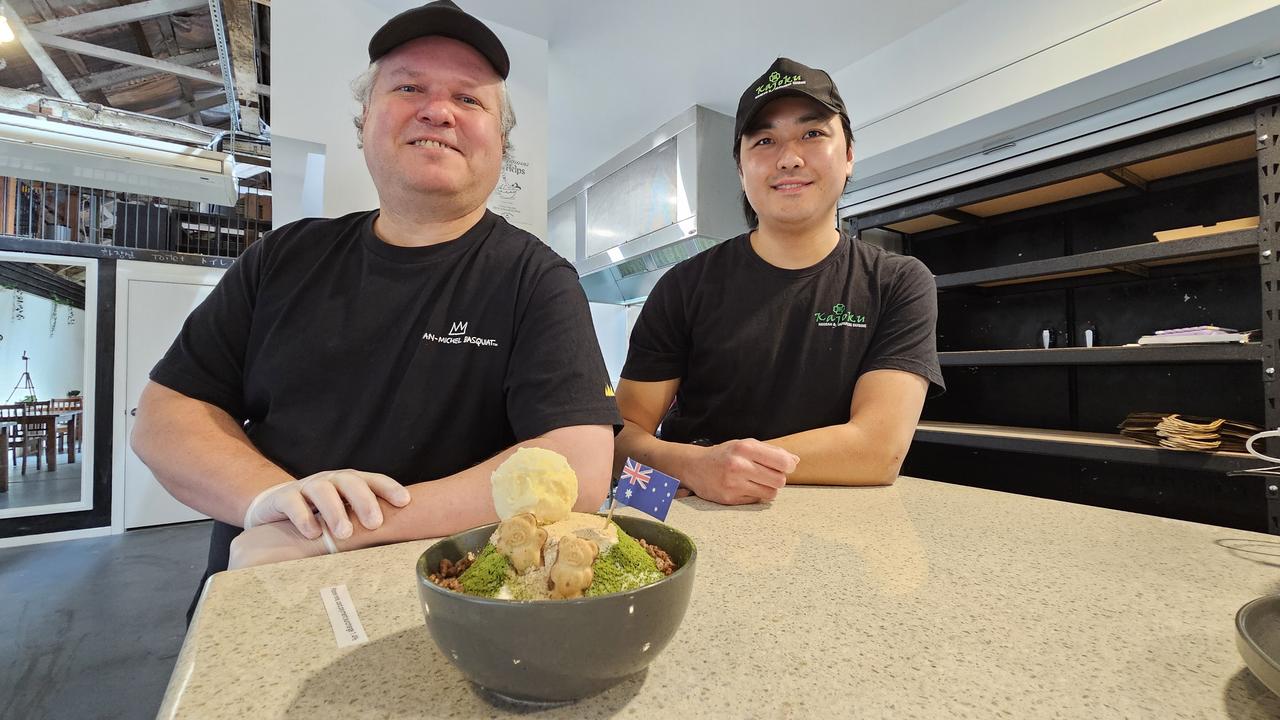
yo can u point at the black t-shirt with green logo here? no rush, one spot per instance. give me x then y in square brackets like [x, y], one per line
[341, 351]
[764, 352]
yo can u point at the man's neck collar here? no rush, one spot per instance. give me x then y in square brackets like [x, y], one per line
[406, 230]
[794, 248]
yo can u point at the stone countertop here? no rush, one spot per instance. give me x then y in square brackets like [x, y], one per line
[920, 600]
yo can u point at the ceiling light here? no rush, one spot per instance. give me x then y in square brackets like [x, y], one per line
[6, 32]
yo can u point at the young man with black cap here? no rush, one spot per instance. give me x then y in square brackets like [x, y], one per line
[340, 360]
[793, 353]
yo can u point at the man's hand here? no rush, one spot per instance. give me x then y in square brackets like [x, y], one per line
[740, 472]
[271, 543]
[328, 493]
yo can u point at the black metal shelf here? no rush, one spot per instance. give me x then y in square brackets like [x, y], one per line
[1083, 203]
[1134, 260]
[1101, 162]
[1051, 223]
[1118, 355]
[1085, 446]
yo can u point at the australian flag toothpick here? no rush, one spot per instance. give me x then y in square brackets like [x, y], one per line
[645, 489]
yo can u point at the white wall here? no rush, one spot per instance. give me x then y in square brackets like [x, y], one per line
[521, 195]
[613, 324]
[942, 54]
[297, 179]
[612, 332]
[313, 64]
[57, 359]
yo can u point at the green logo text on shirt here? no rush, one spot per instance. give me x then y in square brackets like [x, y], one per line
[839, 317]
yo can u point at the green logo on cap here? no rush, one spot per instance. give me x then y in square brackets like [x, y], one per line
[778, 81]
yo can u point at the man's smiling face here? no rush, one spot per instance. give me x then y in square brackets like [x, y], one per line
[793, 161]
[432, 126]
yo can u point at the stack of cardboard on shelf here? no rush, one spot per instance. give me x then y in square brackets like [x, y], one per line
[1225, 226]
[1199, 335]
[1187, 432]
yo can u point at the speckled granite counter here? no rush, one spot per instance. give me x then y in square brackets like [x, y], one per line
[920, 600]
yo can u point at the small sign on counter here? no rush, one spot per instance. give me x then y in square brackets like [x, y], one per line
[347, 629]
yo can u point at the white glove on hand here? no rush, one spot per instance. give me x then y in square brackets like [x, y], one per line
[327, 493]
[272, 543]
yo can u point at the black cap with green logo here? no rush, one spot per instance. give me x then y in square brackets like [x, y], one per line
[786, 77]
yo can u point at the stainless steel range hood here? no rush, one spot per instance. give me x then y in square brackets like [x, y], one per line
[665, 198]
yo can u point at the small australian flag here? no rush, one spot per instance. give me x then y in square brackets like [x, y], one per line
[645, 489]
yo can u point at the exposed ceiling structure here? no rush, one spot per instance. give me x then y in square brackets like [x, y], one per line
[63, 282]
[73, 273]
[162, 58]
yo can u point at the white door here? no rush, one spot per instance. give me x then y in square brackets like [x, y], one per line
[152, 301]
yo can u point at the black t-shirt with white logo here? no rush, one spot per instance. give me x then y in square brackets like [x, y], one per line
[763, 352]
[341, 351]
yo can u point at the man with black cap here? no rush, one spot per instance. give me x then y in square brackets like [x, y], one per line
[792, 353]
[341, 360]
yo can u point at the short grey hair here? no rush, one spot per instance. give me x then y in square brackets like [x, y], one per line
[362, 90]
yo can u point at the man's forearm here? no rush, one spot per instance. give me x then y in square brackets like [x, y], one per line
[200, 454]
[841, 455]
[465, 499]
[672, 458]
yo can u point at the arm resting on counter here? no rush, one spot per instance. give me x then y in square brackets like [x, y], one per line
[200, 454]
[870, 448]
[643, 405]
[445, 506]
[737, 472]
[867, 450]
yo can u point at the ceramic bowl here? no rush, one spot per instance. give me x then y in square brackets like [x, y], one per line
[549, 651]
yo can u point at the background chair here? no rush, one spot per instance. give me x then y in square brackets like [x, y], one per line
[28, 434]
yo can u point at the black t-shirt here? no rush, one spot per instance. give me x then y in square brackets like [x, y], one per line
[338, 350]
[762, 352]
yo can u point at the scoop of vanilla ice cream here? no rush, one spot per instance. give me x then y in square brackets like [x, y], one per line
[535, 480]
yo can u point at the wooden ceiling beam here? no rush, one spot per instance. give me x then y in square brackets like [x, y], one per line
[31, 41]
[121, 15]
[126, 58]
[108, 78]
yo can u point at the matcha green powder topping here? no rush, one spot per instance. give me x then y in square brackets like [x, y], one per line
[625, 567]
[487, 574]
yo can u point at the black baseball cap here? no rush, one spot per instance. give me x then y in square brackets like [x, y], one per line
[441, 17]
[786, 77]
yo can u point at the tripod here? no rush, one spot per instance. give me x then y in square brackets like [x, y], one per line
[24, 380]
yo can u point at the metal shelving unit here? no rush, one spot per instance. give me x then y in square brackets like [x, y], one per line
[1175, 159]
[1120, 355]
[1113, 163]
[1088, 446]
[1136, 260]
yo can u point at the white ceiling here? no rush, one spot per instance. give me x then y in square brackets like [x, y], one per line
[530, 16]
[619, 69]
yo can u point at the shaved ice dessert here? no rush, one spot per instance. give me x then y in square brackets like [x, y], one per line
[541, 549]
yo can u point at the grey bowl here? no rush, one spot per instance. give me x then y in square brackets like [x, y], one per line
[556, 650]
[1258, 639]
